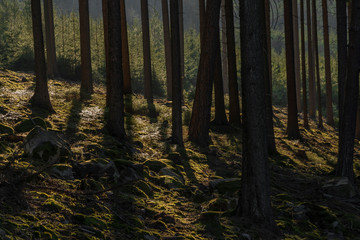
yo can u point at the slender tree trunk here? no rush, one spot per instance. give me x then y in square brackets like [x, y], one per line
[297, 53]
[346, 137]
[310, 63]
[342, 53]
[182, 46]
[200, 118]
[225, 63]
[125, 49]
[52, 69]
[316, 58]
[115, 123]
[292, 125]
[303, 65]
[202, 7]
[254, 202]
[167, 43]
[220, 114]
[270, 135]
[234, 105]
[329, 102]
[86, 88]
[146, 51]
[177, 136]
[41, 96]
[106, 43]
[357, 131]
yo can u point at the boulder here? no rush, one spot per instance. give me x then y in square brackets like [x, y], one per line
[62, 171]
[46, 145]
[340, 187]
[4, 129]
[28, 124]
[96, 168]
[223, 186]
[168, 172]
[157, 165]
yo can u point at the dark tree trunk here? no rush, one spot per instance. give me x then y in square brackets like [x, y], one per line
[106, 43]
[224, 53]
[346, 137]
[234, 105]
[220, 114]
[310, 63]
[202, 7]
[292, 124]
[52, 69]
[297, 53]
[41, 96]
[125, 49]
[303, 65]
[182, 46]
[167, 43]
[342, 53]
[357, 131]
[254, 202]
[86, 88]
[177, 136]
[316, 58]
[200, 118]
[146, 51]
[115, 122]
[329, 102]
[270, 135]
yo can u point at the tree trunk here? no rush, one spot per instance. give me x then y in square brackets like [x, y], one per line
[357, 131]
[342, 53]
[146, 51]
[254, 202]
[346, 137]
[303, 65]
[52, 69]
[86, 88]
[182, 47]
[292, 124]
[106, 43]
[270, 135]
[200, 118]
[41, 96]
[297, 53]
[234, 105]
[125, 49]
[202, 7]
[225, 73]
[316, 58]
[220, 114]
[177, 136]
[329, 103]
[310, 63]
[167, 43]
[115, 122]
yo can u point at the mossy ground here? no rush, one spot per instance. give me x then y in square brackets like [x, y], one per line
[158, 206]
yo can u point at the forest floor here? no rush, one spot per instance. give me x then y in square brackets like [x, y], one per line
[148, 188]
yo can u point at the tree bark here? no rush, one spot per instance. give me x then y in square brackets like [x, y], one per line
[146, 51]
[202, 7]
[86, 88]
[297, 53]
[310, 63]
[342, 53]
[225, 73]
[182, 46]
[303, 65]
[167, 44]
[115, 122]
[234, 104]
[125, 49]
[316, 58]
[346, 137]
[292, 124]
[329, 102]
[357, 131]
[52, 69]
[177, 135]
[254, 202]
[270, 135]
[41, 96]
[106, 43]
[200, 118]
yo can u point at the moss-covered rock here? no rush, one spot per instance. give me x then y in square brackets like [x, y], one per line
[62, 171]
[223, 186]
[28, 124]
[142, 185]
[169, 182]
[90, 184]
[89, 220]
[218, 204]
[157, 165]
[4, 129]
[170, 172]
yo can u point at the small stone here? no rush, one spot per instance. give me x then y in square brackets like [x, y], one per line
[24, 79]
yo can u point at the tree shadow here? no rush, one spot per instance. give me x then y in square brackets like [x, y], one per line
[73, 120]
[152, 112]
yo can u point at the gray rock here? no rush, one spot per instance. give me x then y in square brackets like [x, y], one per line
[46, 145]
[62, 171]
[96, 168]
[340, 187]
[168, 172]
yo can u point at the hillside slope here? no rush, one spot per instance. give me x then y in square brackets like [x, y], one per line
[148, 188]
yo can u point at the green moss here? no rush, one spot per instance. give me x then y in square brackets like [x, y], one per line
[156, 165]
[218, 204]
[53, 205]
[4, 148]
[4, 129]
[169, 182]
[91, 184]
[28, 124]
[89, 220]
[143, 186]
